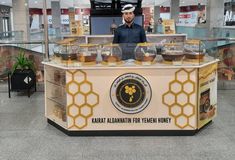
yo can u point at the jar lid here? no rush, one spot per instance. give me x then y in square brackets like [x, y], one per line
[111, 45]
[192, 42]
[173, 44]
[67, 41]
[145, 44]
[88, 45]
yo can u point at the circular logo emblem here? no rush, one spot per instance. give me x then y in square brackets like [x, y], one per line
[130, 93]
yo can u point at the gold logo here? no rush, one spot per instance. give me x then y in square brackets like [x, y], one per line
[130, 93]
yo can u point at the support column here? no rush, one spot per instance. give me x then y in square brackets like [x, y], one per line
[40, 21]
[156, 17]
[21, 17]
[1, 24]
[56, 17]
[46, 38]
[156, 13]
[215, 13]
[175, 10]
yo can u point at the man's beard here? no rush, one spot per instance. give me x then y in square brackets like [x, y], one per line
[129, 21]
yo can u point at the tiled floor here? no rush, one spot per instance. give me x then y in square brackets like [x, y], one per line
[25, 135]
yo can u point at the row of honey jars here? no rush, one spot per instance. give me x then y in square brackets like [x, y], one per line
[110, 53]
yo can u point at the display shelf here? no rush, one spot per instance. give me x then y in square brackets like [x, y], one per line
[56, 92]
[55, 108]
[54, 83]
[58, 101]
[55, 76]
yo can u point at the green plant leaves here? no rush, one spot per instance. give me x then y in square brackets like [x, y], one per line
[22, 62]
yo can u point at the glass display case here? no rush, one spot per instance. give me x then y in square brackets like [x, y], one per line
[173, 53]
[223, 49]
[68, 53]
[56, 95]
[145, 53]
[87, 53]
[65, 54]
[111, 54]
[190, 52]
[194, 50]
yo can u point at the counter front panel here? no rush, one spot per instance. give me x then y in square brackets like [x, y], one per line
[170, 99]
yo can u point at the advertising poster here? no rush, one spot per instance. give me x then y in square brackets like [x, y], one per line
[207, 99]
[229, 14]
[202, 16]
[188, 18]
[169, 26]
[72, 22]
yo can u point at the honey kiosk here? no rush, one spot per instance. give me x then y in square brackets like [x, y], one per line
[146, 96]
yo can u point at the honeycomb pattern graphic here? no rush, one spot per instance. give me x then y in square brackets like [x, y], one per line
[82, 97]
[178, 98]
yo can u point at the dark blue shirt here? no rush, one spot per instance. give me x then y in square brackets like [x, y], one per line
[128, 37]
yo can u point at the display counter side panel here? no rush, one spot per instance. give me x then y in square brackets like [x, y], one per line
[207, 96]
[55, 96]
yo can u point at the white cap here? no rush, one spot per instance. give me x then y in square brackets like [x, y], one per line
[128, 8]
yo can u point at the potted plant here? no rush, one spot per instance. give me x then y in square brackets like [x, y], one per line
[23, 75]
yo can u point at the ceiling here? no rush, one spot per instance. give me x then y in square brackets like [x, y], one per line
[86, 3]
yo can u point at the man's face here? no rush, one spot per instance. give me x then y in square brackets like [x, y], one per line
[128, 17]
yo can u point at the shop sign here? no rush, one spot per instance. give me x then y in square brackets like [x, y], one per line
[64, 19]
[189, 18]
[229, 17]
[4, 11]
[130, 93]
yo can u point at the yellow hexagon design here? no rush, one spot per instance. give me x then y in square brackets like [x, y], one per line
[92, 99]
[79, 99]
[189, 110]
[189, 87]
[80, 76]
[69, 77]
[86, 87]
[87, 111]
[182, 75]
[80, 122]
[176, 87]
[178, 98]
[181, 121]
[169, 99]
[182, 99]
[73, 110]
[72, 88]
[83, 97]
[175, 110]
[70, 100]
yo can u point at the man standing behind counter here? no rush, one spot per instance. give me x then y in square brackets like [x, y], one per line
[129, 34]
